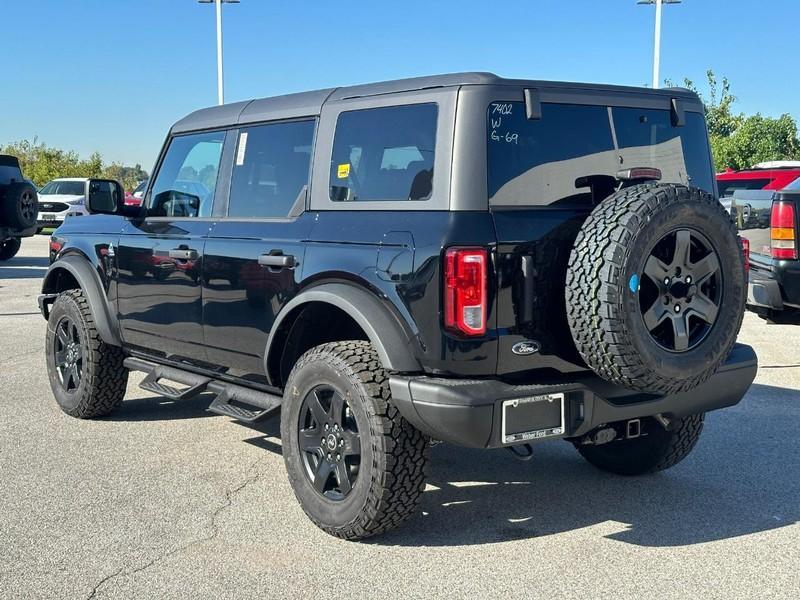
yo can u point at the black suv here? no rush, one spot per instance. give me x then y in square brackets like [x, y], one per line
[18, 207]
[483, 261]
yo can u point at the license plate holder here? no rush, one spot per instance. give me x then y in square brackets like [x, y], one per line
[532, 418]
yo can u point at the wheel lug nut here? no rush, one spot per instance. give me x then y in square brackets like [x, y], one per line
[329, 455]
[666, 280]
[338, 457]
[341, 442]
[327, 427]
[688, 279]
[677, 308]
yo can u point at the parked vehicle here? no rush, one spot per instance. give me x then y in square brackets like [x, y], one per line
[17, 207]
[59, 199]
[773, 230]
[134, 198]
[483, 261]
[774, 175]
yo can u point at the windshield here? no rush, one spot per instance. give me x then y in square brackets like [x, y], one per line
[574, 150]
[66, 188]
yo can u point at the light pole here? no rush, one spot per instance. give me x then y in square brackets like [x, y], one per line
[657, 41]
[220, 83]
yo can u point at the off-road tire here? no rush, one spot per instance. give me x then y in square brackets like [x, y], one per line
[9, 248]
[104, 380]
[394, 454]
[20, 205]
[603, 311]
[656, 451]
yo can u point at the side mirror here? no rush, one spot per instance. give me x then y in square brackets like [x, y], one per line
[104, 196]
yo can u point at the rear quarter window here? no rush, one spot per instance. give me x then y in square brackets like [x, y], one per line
[384, 154]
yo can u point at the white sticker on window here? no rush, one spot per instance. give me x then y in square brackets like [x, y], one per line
[242, 149]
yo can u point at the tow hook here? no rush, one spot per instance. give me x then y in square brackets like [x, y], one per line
[521, 451]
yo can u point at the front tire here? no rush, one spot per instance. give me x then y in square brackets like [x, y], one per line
[86, 375]
[660, 449]
[355, 464]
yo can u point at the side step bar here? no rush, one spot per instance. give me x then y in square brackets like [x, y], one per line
[235, 401]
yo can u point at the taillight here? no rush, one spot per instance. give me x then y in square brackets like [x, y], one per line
[465, 275]
[782, 224]
[746, 253]
[55, 246]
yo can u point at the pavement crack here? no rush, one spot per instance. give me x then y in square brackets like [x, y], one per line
[213, 527]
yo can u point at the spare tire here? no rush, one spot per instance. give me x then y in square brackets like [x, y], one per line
[656, 288]
[20, 205]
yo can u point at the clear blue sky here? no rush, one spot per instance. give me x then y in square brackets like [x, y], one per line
[113, 75]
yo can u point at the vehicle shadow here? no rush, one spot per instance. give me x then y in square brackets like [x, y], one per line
[743, 478]
[24, 267]
[159, 408]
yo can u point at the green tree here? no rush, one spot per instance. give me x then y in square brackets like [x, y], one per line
[41, 163]
[739, 141]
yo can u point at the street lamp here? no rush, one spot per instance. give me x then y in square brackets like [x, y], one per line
[220, 85]
[657, 41]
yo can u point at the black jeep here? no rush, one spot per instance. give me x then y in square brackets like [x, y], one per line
[18, 207]
[483, 261]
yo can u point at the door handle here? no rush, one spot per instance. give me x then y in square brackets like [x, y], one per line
[279, 261]
[183, 254]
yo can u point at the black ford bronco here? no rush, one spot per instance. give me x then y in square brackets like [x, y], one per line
[482, 261]
[18, 207]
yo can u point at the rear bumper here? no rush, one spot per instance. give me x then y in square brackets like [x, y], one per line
[774, 287]
[468, 412]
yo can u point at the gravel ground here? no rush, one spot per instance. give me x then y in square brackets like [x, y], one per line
[165, 500]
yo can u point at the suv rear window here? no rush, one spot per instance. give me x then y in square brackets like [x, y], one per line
[727, 188]
[553, 160]
[384, 154]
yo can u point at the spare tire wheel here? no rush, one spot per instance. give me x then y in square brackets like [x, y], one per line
[20, 205]
[656, 288]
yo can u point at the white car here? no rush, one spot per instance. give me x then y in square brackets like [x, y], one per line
[59, 199]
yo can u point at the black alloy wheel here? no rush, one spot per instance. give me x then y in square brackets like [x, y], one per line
[68, 354]
[681, 295]
[329, 442]
[29, 207]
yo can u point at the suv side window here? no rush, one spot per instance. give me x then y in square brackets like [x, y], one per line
[271, 168]
[384, 154]
[184, 186]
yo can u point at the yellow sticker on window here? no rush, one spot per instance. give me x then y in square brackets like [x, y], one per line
[344, 171]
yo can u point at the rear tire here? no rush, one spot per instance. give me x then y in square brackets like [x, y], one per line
[658, 450]
[385, 479]
[86, 375]
[9, 248]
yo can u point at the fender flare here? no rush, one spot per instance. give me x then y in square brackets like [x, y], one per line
[89, 281]
[383, 329]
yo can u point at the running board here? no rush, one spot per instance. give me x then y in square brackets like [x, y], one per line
[241, 403]
[235, 401]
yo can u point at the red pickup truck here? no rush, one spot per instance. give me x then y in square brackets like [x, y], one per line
[774, 175]
[770, 221]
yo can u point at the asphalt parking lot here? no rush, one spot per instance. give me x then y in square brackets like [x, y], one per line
[166, 500]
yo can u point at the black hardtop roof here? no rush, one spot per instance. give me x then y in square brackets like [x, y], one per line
[307, 104]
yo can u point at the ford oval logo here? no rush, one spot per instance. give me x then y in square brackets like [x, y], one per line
[526, 348]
